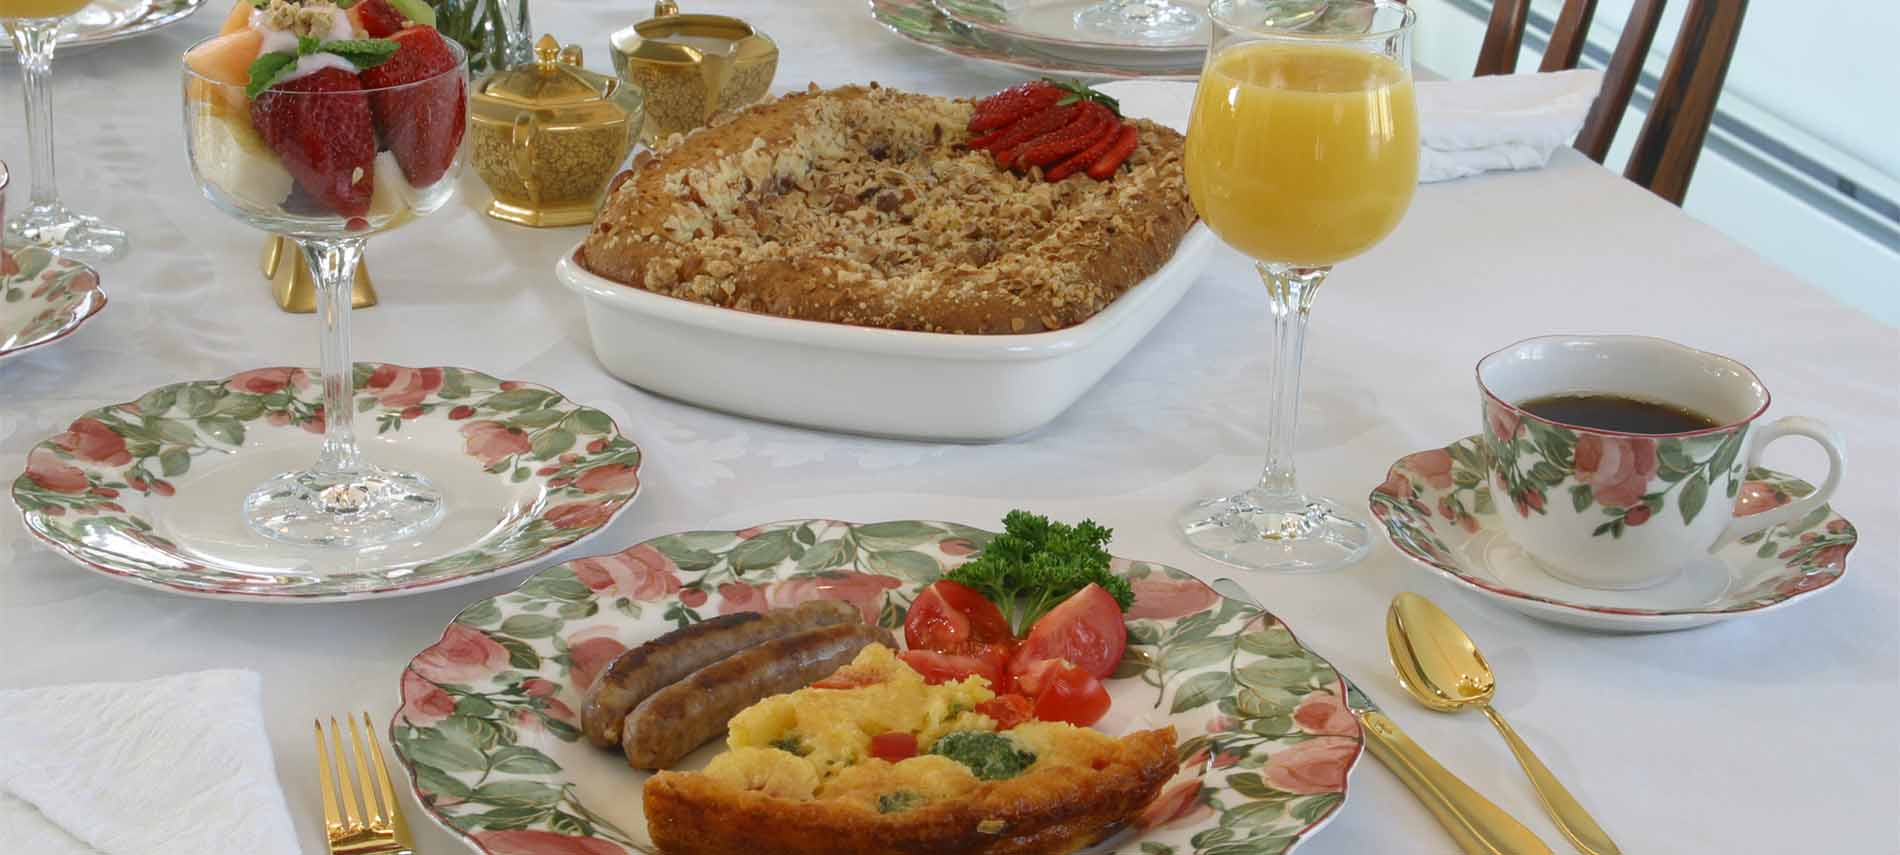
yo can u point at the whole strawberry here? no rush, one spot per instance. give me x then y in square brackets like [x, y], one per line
[421, 124]
[378, 18]
[319, 125]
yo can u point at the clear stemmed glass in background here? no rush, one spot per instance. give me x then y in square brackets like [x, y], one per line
[1302, 153]
[343, 500]
[34, 26]
[1140, 20]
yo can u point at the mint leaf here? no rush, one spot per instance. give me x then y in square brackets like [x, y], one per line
[306, 45]
[259, 4]
[265, 70]
[362, 53]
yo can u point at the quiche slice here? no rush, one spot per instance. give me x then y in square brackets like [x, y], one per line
[800, 779]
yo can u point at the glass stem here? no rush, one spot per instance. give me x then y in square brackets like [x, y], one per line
[1290, 290]
[33, 42]
[333, 264]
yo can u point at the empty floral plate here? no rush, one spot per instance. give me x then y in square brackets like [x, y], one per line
[43, 298]
[487, 723]
[1436, 508]
[151, 490]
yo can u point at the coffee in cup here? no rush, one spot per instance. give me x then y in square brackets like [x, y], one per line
[1616, 460]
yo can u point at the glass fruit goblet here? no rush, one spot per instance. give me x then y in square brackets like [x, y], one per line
[329, 161]
[1302, 152]
[34, 27]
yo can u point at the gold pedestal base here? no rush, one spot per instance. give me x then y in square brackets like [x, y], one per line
[292, 286]
[544, 217]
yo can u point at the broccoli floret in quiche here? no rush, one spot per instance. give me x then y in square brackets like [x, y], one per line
[990, 756]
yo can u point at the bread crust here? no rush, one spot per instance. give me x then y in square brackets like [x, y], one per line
[860, 205]
[1051, 809]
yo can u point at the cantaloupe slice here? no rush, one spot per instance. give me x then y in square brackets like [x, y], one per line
[225, 59]
[240, 18]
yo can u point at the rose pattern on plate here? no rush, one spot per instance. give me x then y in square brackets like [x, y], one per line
[1430, 519]
[1632, 479]
[106, 471]
[43, 298]
[1267, 733]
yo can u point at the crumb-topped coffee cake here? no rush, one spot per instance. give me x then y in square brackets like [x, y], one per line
[866, 205]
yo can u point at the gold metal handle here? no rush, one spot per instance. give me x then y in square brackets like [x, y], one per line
[1478, 826]
[1572, 819]
[523, 139]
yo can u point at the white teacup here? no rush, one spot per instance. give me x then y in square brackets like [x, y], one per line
[1619, 510]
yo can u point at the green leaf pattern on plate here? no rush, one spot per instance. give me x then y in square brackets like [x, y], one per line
[488, 712]
[43, 297]
[82, 480]
[1434, 496]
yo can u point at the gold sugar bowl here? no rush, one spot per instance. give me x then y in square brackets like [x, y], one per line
[692, 67]
[548, 135]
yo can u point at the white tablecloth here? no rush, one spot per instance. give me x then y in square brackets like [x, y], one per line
[1776, 733]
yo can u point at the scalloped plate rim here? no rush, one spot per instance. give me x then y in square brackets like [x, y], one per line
[97, 304]
[1597, 616]
[427, 586]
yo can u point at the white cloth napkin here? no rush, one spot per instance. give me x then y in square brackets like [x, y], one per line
[174, 766]
[1501, 122]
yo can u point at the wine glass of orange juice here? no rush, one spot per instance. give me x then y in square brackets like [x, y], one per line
[34, 27]
[1302, 153]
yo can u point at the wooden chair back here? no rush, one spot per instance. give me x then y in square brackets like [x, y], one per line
[1666, 149]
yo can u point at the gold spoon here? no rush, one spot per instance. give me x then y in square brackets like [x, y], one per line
[1443, 669]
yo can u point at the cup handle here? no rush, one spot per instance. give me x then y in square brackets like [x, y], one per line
[1826, 438]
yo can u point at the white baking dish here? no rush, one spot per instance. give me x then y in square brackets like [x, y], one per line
[969, 388]
[867, 380]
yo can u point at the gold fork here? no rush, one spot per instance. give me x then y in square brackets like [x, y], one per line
[374, 830]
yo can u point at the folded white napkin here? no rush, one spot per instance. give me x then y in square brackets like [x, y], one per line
[173, 766]
[1510, 121]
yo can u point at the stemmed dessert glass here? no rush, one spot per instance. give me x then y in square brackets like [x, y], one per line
[34, 26]
[334, 192]
[1302, 152]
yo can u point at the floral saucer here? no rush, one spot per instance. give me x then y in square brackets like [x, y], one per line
[151, 490]
[487, 723]
[1437, 509]
[43, 298]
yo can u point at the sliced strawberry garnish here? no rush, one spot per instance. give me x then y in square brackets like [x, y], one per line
[327, 140]
[1014, 103]
[1031, 128]
[1087, 157]
[421, 124]
[1111, 160]
[1077, 135]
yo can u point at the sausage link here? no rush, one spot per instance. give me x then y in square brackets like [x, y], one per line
[635, 675]
[679, 718]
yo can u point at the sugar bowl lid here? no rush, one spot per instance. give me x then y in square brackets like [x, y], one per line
[554, 79]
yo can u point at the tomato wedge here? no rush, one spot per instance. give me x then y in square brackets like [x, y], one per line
[894, 746]
[1008, 710]
[991, 664]
[1073, 695]
[950, 617]
[1085, 629]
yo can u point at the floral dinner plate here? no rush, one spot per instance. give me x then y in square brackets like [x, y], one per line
[43, 298]
[151, 490]
[1436, 508]
[487, 722]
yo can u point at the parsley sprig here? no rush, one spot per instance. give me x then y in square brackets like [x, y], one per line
[1035, 564]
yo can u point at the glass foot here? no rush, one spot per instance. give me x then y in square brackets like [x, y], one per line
[1285, 534]
[67, 233]
[363, 507]
[1141, 20]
